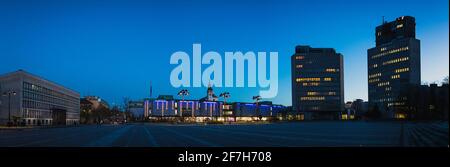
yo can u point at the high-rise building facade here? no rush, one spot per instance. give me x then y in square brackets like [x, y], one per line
[36, 101]
[393, 67]
[317, 82]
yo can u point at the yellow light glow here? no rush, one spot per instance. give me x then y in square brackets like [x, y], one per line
[400, 70]
[314, 98]
[299, 57]
[307, 79]
[331, 70]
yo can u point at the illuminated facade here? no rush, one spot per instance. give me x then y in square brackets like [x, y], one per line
[317, 82]
[165, 107]
[393, 67]
[136, 108]
[37, 101]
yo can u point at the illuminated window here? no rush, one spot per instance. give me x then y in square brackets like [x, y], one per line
[327, 79]
[299, 66]
[396, 60]
[375, 75]
[299, 57]
[331, 70]
[400, 70]
[374, 80]
[331, 93]
[395, 76]
[311, 84]
[392, 51]
[313, 98]
[383, 84]
[312, 93]
[307, 79]
[400, 26]
[400, 116]
[344, 117]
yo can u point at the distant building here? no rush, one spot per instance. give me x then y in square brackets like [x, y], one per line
[263, 109]
[165, 107]
[137, 109]
[91, 108]
[96, 102]
[432, 102]
[37, 101]
[317, 82]
[354, 110]
[348, 113]
[393, 67]
[360, 107]
[162, 106]
[210, 95]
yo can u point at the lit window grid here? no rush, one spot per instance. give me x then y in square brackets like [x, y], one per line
[389, 52]
[402, 59]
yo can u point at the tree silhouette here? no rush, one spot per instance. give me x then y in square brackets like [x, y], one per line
[374, 113]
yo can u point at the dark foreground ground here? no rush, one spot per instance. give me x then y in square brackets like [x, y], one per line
[303, 134]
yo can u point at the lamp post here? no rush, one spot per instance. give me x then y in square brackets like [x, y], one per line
[225, 96]
[257, 98]
[182, 93]
[9, 93]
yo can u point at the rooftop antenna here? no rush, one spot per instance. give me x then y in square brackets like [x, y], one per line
[151, 89]
[382, 20]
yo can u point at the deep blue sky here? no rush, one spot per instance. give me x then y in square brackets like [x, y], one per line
[113, 49]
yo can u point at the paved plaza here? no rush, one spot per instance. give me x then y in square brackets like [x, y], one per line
[302, 134]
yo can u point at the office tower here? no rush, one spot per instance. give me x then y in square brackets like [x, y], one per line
[393, 68]
[32, 100]
[317, 82]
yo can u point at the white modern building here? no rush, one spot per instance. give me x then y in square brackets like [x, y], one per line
[32, 100]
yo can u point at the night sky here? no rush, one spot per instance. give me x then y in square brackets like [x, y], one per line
[114, 49]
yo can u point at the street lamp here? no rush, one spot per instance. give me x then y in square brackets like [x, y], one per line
[225, 96]
[257, 98]
[9, 93]
[182, 93]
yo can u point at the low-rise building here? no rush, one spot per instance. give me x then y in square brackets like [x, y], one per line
[136, 108]
[432, 102]
[166, 107]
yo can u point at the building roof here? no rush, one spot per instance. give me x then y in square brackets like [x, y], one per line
[21, 72]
